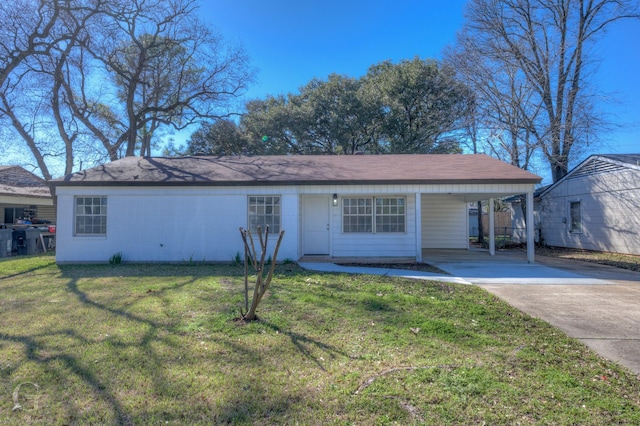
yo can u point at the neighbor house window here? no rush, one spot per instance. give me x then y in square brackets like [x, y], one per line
[91, 216]
[376, 214]
[575, 214]
[264, 211]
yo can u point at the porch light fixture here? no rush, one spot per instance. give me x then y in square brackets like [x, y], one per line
[335, 200]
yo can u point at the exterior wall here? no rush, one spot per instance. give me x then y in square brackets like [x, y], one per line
[444, 222]
[519, 234]
[610, 207]
[199, 223]
[167, 224]
[374, 244]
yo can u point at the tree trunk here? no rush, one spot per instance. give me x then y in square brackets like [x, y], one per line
[262, 282]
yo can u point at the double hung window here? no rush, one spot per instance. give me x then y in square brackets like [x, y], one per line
[373, 214]
[264, 211]
[91, 215]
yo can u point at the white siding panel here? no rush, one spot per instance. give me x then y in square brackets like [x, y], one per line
[610, 205]
[154, 227]
[444, 222]
[378, 244]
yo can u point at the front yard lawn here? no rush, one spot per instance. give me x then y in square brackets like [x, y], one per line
[158, 344]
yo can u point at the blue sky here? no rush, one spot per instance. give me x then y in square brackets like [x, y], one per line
[291, 42]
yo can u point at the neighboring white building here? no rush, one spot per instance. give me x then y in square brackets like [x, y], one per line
[518, 222]
[596, 206]
[190, 208]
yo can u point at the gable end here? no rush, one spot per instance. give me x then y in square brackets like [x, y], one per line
[595, 167]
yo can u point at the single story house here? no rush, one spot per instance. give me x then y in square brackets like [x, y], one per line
[24, 197]
[162, 209]
[596, 206]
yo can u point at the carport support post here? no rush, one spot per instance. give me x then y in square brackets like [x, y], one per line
[531, 257]
[418, 227]
[492, 229]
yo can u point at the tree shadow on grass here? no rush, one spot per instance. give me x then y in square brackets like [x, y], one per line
[23, 272]
[35, 352]
[68, 368]
[304, 344]
[146, 352]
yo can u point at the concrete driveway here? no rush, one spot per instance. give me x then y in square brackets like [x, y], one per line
[599, 305]
[507, 267]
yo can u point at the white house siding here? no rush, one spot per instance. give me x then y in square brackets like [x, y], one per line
[519, 232]
[374, 244]
[444, 222]
[610, 204]
[170, 224]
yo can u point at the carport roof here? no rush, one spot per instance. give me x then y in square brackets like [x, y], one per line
[300, 170]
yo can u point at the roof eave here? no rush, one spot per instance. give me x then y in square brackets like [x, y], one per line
[297, 182]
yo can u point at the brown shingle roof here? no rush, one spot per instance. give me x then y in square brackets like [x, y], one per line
[17, 176]
[16, 181]
[301, 169]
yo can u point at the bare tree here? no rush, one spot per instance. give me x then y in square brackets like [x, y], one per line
[26, 34]
[257, 261]
[502, 101]
[77, 72]
[166, 69]
[540, 50]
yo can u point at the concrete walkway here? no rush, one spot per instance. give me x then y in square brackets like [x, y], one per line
[596, 304]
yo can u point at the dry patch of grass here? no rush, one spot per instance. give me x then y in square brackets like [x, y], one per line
[624, 261]
[157, 344]
[410, 266]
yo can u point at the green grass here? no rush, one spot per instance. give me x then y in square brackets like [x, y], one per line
[158, 344]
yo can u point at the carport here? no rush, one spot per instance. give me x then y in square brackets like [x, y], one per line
[504, 267]
[442, 213]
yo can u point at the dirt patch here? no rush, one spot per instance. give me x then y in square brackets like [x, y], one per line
[623, 261]
[416, 266]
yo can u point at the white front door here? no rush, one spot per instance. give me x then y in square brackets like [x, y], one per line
[315, 237]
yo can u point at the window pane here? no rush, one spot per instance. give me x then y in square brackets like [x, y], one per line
[390, 215]
[91, 216]
[576, 217]
[357, 215]
[264, 211]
